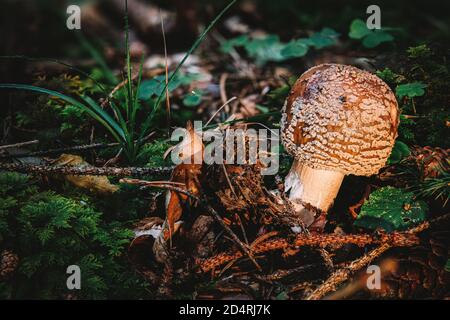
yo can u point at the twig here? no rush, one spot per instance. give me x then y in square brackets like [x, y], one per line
[327, 259]
[117, 88]
[166, 69]
[91, 171]
[228, 180]
[399, 239]
[210, 210]
[18, 145]
[113, 159]
[164, 288]
[283, 273]
[387, 266]
[218, 110]
[306, 286]
[223, 90]
[59, 150]
[352, 209]
[344, 274]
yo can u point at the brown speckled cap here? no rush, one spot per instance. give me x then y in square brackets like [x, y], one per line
[340, 118]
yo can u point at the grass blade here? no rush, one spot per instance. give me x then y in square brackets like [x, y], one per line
[66, 98]
[191, 50]
[77, 70]
[97, 57]
[105, 116]
[128, 60]
[136, 99]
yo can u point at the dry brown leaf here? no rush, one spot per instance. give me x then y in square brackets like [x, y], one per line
[176, 203]
[188, 175]
[96, 184]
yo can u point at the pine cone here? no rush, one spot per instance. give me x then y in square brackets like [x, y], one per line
[432, 161]
[422, 163]
[421, 272]
[8, 263]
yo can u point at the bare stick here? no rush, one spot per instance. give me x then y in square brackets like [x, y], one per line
[117, 88]
[399, 239]
[18, 145]
[166, 69]
[223, 91]
[344, 274]
[91, 171]
[218, 110]
[283, 273]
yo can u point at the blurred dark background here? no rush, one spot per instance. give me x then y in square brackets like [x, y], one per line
[38, 28]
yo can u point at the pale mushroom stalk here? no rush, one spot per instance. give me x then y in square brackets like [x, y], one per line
[317, 187]
[337, 120]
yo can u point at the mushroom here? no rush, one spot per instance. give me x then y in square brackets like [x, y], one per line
[337, 120]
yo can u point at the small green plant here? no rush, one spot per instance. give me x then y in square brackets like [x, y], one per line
[54, 118]
[437, 188]
[153, 154]
[194, 98]
[270, 48]
[391, 209]
[410, 90]
[153, 88]
[399, 152]
[421, 51]
[49, 232]
[390, 76]
[278, 95]
[123, 123]
[406, 130]
[370, 38]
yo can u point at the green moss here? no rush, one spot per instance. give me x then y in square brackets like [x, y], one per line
[49, 232]
[152, 154]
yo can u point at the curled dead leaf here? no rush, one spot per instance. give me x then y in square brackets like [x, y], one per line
[176, 203]
[96, 184]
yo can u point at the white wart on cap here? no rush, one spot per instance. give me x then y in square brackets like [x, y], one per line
[337, 120]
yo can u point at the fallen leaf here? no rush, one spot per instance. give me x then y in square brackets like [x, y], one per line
[96, 184]
[176, 203]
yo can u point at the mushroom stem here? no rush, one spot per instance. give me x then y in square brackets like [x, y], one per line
[316, 187]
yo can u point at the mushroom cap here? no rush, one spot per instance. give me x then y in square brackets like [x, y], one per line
[340, 118]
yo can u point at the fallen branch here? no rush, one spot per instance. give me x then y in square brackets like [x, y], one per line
[344, 274]
[281, 274]
[91, 171]
[18, 145]
[398, 239]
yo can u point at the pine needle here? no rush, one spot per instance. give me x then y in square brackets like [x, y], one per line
[167, 69]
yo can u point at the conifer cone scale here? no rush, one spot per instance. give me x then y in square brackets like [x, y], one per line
[433, 160]
[9, 262]
[421, 273]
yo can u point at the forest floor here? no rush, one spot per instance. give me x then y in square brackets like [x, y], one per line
[86, 176]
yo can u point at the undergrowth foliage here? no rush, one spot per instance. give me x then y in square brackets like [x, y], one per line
[270, 48]
[49, 232]
[121, 121]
